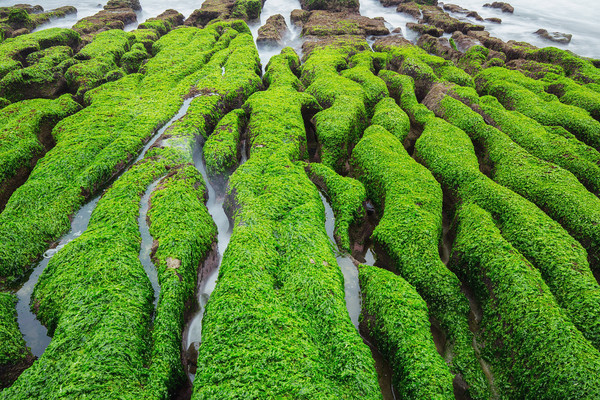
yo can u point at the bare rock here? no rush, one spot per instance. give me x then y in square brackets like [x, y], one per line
[494, 20]
[474, 14]
[505, 7]
[299, 17]
[331, 5]
[116, 4]
[273, 32]
[326, 23]
[425, 29]
[210, 10]
[437, 17]
[464, 42]
[557, 37]
[439, 46]
[411, 8]
[455, 8]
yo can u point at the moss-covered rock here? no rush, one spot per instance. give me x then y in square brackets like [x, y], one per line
[25, 136]
[96, 144]
[277, 316]
[410, 201]
[539, 350]
[15, 356]
[346, 196]
[397, 317]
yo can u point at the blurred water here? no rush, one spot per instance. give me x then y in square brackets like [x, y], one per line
[579, 18]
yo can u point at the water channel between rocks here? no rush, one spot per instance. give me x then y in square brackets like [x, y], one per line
[214, 204]
[353, 301]
[35, 334]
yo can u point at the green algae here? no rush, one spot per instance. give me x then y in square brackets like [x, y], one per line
[409, 232]
[95, 144]
[559, 194]
[539, 350]
[25, 136]
[397, 317]
[346, 196]
[222, 149]
[13, 349]
[276, 324]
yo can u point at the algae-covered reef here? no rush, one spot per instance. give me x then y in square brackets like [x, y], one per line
[464, 168]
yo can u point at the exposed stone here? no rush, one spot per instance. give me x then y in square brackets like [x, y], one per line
[21, 19]
[439, 46]
[557, 37]
[425, 29]
[330, 5]
[299, 17]
[117, 4]
[398, 30]
[475, 15]
[436, 16]
[505, 7]
[464, 42]
[494, 20]
[105, 20]
[210, 10]
[273, 32]
[325, 23]
[455, 8]
[411, 8]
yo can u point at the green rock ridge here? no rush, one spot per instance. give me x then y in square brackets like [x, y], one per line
[15, 356]
[397, 317]
[541, 353]
[276, 324]
[25, 137]
[95, 144]
[410, 201]
[554, 190]
[346, 196]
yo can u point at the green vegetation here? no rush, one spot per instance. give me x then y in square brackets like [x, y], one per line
[346, 196]
[397, 317]
[448, 152]
[424, 68]
[13, 350]
[553, 144]
[402, 89]
[345, 115]
[25, 137]
[276, 324]
[96, 300]
[184, 229]
[13, 50]
[222, 149]
[542, 107]
[97, 60]
[95, 144]
[133, 59]
[391, 117]
[552, 188]
[535, 345]
[44, 77]
[410, 200]
[247, 9]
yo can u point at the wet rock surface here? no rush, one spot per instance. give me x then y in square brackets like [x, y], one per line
[436, 16]
[330, 5]
[504, 7]
[21, 19]
[425, 29]
[273, 32]
[557, 37]
[325, 23]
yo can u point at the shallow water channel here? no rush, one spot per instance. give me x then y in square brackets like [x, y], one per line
[35, 334]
